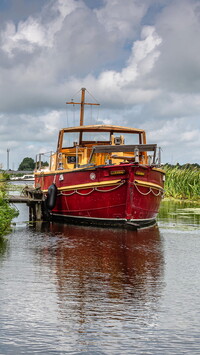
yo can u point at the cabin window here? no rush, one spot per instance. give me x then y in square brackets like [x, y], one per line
[71, 159]
[96, 137]
[125, 138]
[70, 139]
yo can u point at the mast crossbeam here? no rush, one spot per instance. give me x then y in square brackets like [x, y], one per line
[82, 103]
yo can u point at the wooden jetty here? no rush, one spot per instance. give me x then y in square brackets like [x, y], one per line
[35, 200]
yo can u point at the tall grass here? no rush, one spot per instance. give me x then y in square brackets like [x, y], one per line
[7, 213]
[182, 183]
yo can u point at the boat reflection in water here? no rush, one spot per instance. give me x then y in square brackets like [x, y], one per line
[102, 272]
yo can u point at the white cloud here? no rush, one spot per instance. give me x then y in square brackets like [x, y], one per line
[28, 35]
[179, 62]
[179, 138]
[121, 19]
[141, 61]
[190, 136]
[127, 85]
[32, 32]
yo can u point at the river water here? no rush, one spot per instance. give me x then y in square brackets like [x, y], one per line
[67, 289]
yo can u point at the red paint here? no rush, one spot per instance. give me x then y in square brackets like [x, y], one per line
[127, 201]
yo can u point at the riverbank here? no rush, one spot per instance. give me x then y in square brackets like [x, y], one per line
[7, 213]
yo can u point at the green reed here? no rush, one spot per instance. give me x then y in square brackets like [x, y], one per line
[7, 213]
[182, 183]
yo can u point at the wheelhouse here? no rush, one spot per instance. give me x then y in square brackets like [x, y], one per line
[100, 145]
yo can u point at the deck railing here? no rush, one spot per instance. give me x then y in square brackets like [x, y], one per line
[42, 158]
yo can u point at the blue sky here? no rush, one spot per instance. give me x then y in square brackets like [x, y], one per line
[140, 59]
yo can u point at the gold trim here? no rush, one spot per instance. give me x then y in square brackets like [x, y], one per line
[160, 170]
[148, 184]
[117, 172]
[64, 171]
[88, 185]
[139, 173]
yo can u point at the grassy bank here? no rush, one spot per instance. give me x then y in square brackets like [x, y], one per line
[182, 182]
[7, 213]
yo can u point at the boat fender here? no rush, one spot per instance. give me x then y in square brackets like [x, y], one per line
[51, 197]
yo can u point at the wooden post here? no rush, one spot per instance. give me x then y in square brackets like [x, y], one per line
[82, 106]
[38, 211]
[30, 213]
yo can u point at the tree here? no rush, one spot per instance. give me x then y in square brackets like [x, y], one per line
[27, 164]
[41, 165]
[45, 163]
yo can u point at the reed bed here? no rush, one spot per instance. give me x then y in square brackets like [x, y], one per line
[7, 213]
[182, 183]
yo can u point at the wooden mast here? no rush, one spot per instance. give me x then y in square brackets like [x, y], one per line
[82, 106]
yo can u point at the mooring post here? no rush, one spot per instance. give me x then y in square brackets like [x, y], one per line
[38, 211]
[31, 206]
[30, 213]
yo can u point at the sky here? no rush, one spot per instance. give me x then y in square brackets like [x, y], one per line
[140, 59]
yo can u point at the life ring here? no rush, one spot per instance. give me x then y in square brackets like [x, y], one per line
[60, 156]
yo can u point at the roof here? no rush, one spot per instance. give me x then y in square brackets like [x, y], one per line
[102, 128]
[124, 148]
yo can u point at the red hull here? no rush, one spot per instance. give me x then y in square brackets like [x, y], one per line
[120, 194]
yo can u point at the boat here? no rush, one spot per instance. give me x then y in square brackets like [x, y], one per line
[109, 176]
[26, 177]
